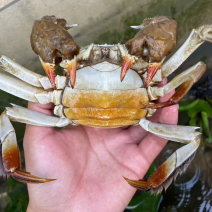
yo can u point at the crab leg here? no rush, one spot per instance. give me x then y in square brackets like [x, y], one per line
[196, 38]
[186, 78]
[18, 87]
[21, 89]
[10, 157]
[24, 74]
[24, 115]
[177, 162]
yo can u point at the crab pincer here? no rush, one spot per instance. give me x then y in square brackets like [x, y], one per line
[71, 67]
[127, 62]
[52, 42]
[155, 40]
[152, 70]
[50, 71]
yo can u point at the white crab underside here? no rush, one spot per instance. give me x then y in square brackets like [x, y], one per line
[106, 76]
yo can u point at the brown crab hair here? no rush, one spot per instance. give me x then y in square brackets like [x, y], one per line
[51, 40]
[156, 40]
[158, 35]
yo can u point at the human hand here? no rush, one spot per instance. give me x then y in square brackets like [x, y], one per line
[89, 163]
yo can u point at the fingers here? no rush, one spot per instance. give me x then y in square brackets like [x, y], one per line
[34, 133]
[46, 109]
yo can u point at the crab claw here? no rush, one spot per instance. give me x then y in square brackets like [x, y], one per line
[72, 69]
[128, 61]
[50, 71]
[152, 70]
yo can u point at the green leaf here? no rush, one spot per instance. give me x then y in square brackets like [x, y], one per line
[193, 121]
[206, 126]
[201, 106]
[188, 107]
[145, 202]
[18, 196]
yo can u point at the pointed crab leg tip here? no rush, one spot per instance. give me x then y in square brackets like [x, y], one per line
[26, 177]
[125, 178]
[49, 180]
[129, 181]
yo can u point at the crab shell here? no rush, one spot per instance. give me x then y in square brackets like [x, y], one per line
[99, 98]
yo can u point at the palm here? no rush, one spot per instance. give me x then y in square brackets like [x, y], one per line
[88, 164]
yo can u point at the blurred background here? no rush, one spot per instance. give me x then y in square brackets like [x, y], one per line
[102, 21]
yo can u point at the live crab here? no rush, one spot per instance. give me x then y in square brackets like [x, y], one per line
[110, 86]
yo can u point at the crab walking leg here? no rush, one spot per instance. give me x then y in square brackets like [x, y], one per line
[177, 162]
[186, 78]
[24, 74]
[24, 115]
[10, 155]
[195, 39]
[19, 88]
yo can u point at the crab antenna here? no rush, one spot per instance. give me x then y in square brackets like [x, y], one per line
[71, 25]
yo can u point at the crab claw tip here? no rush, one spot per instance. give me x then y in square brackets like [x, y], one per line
[152, 70]
[128, 61]
[50, 71]
[72, 69]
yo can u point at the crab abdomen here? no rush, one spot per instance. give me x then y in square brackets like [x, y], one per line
[107, 109]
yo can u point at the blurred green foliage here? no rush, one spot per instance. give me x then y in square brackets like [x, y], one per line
[17, 196]
[199, 111]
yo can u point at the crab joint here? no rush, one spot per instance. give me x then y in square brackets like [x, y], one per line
[152, 70]
[128, 61]
[50, 71]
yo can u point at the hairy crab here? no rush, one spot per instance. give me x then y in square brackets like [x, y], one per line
[103, 86]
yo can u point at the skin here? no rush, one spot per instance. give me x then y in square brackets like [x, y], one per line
[89, 163]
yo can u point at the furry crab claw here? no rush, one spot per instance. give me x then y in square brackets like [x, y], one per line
[51, 41]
